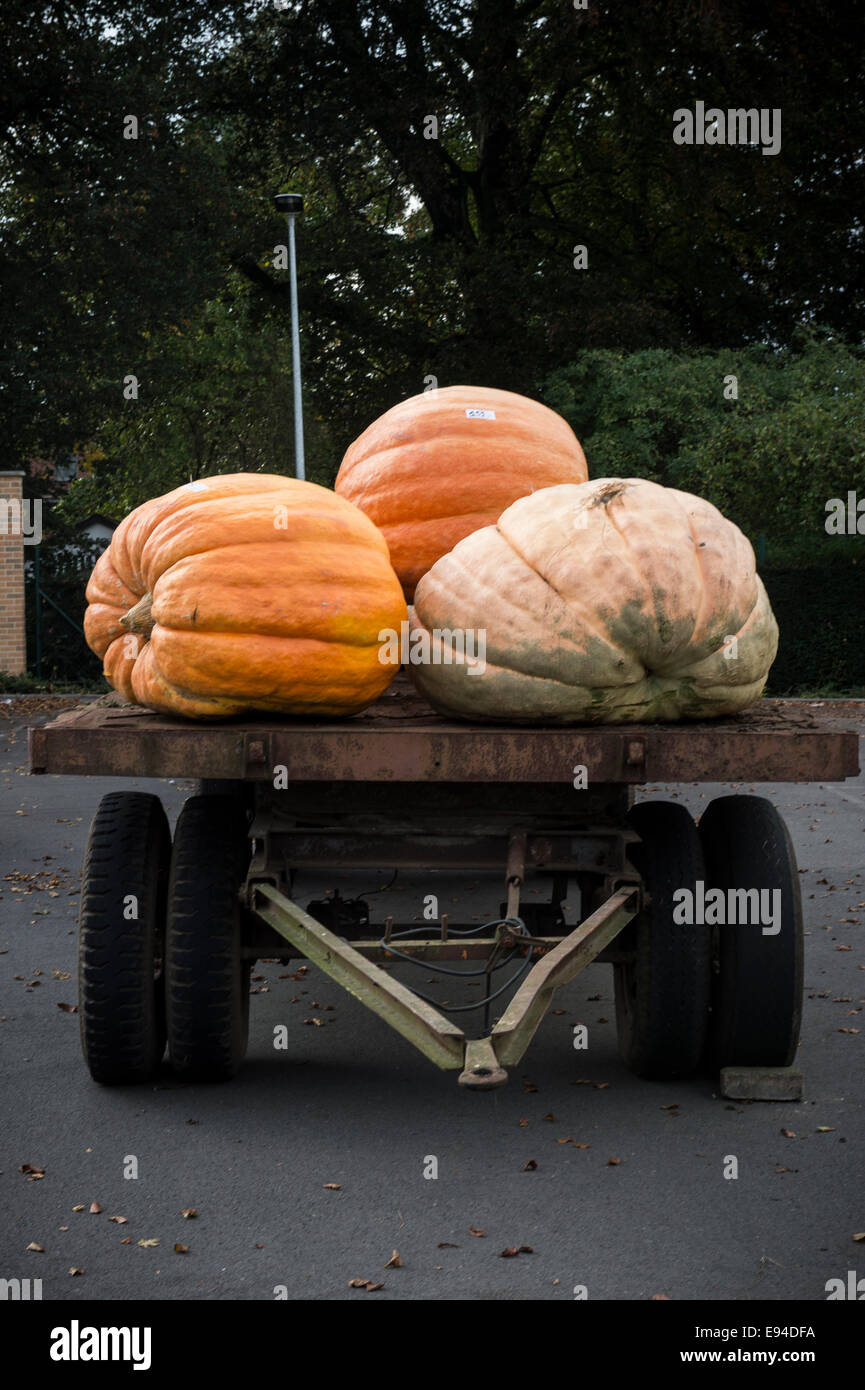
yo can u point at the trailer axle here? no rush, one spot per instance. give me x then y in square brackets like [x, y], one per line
[482, 1062]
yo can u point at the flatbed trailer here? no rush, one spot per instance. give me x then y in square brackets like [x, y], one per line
[168, 933]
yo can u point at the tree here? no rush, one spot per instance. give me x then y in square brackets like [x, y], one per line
[452, 153]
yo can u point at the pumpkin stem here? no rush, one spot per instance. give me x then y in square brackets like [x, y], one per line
[139, 618]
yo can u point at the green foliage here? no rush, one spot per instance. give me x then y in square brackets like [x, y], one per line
[227, 408]
[770, 460]
[100, 236]
[450, 256]
[821, 618]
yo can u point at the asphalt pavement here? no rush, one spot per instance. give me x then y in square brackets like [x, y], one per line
[319, 1161]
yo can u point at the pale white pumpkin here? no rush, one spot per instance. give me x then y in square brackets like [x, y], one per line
[610, 601]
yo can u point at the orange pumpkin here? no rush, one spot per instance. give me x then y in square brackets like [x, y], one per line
[245, 591]
[445, 463]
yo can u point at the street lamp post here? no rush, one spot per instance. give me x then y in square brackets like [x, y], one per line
[291, 204]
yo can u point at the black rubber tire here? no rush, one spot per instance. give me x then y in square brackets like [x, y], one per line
[662, 996]
[121, 1009]
[207, 979]
[756, 979]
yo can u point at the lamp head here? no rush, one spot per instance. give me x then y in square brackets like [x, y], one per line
[288, 202]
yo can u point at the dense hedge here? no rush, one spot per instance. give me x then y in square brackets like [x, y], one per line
[770, 459]
[821, 617]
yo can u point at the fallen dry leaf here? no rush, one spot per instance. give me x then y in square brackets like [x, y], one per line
[364, 1284]
[39, 1249]
[76, 1270]
[859, 1235]
[476, 1231]
[551, 1117]
[661, 1298]
[509, 1253]
[524, 1124]
[127, 1240]
[789, 1133]
[188, 1212]
[68, 1008]
[824, 1129]
[119, 1220]
[529, 1167]
[181, 1249]
[449, 1244]
[613, 1162]
[148, 1244]
[81, 1208]
[394, 1262]
[32, 1172]
[95, 1208]
[332, 1187]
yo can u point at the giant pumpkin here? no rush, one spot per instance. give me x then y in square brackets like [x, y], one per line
[614, 601]
[441, 465]
[246, 591]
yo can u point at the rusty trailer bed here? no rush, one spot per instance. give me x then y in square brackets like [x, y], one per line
[401, 739]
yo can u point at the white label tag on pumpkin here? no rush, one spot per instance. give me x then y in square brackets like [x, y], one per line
[477, 413]
[197, 487]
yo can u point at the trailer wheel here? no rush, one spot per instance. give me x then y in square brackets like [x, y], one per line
[662, 993]
[756, 980]
[121, 937]
[207, 979]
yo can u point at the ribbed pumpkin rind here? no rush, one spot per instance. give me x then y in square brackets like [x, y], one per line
[613, 601]
[428, 475]
[268, 594]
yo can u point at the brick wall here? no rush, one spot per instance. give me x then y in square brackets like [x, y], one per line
[13, 648]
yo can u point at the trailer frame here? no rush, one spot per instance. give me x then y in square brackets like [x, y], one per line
[401, 785]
